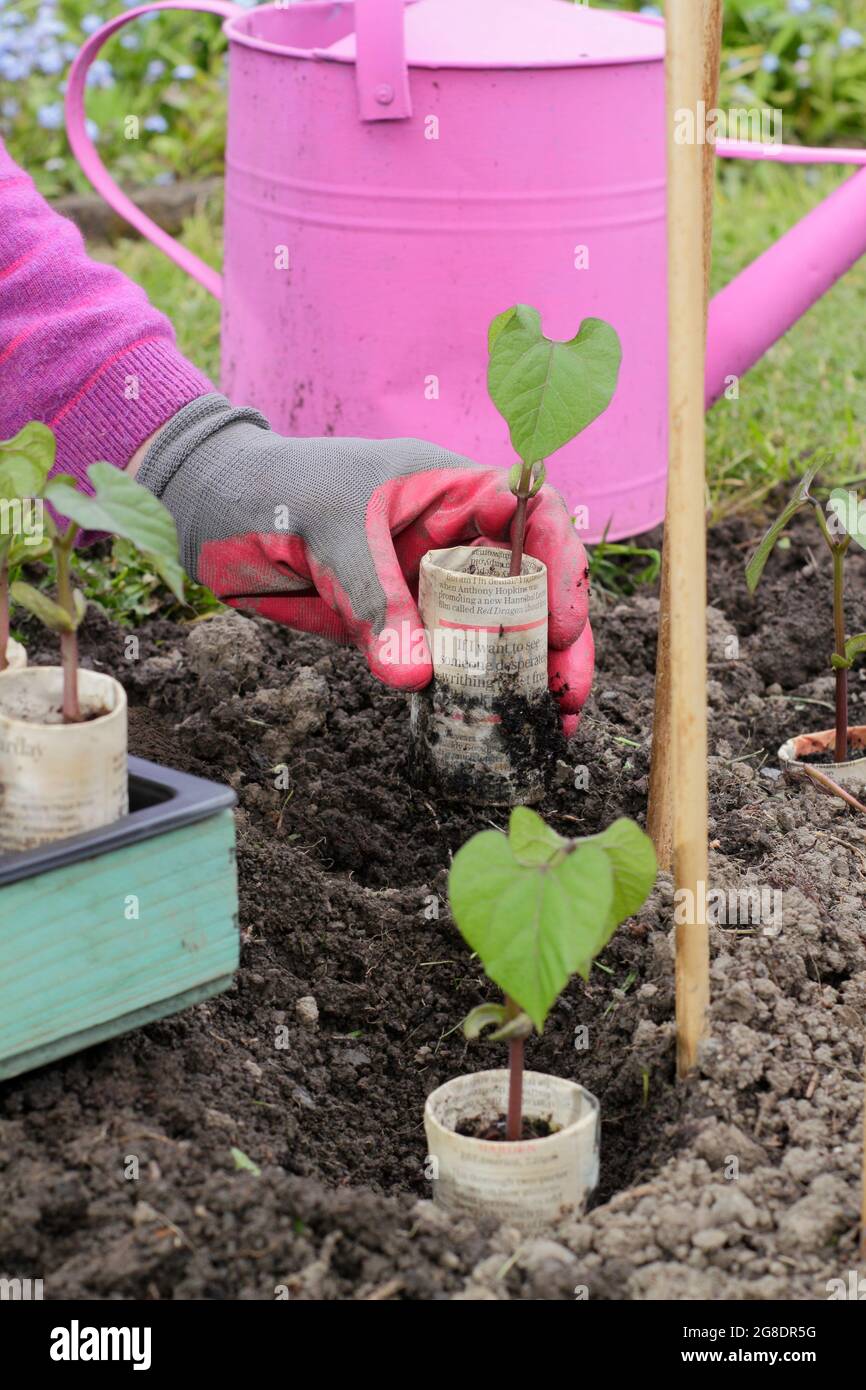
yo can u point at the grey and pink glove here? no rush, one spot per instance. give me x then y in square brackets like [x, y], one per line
[326, 535]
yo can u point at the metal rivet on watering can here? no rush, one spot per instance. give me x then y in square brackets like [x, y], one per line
[384, 94]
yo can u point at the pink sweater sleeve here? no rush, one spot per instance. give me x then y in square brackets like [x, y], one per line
[81, 348]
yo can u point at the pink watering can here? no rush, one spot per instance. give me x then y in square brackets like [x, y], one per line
[397, 176]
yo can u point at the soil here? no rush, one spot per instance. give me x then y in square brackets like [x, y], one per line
[45, 708]
[492, 1130]
[826, 759]
[742, 1185]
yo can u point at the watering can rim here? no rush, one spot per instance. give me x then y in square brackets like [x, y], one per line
[236, 27]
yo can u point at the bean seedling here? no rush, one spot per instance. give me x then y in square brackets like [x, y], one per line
[538, 908]
[547, 392]
[840, 521]
[119, 506]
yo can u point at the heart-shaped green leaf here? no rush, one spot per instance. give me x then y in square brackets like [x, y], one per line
[538, 908]
[531, 838]
[26, 461]
[549, 391]
[123, 507]
[532, 926]
[632, 858]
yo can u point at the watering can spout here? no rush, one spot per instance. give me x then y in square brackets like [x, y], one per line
[768, 297]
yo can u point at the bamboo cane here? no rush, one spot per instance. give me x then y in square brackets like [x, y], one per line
[660, 807]
[685, 532]
[863, 1207]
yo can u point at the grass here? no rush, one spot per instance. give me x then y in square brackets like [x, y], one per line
[807, 394]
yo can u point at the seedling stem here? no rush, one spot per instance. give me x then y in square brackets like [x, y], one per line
[514, 1125]
[63, 546]
[4, 612]
[522, 492]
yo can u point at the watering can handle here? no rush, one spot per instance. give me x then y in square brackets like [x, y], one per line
[788, 154]
[85, 151]
[380, 60]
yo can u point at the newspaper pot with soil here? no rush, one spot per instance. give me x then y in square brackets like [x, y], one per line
[59, 779]
[483, 730]
[529, 1184]
[817, 750]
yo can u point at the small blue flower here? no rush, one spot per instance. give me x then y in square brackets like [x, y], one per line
[51, 62]
[130, 41]
[184, 72]
[50, 117]
[850, 38]
[100, 74]
[805, 50]
[48, 28]
[90, 23]
[92, 129]
[651, 10]
[799, 6]
[164, 179]
[154, 70]
[10, 108]
[158, 124]
[12, 68]
[770, 62]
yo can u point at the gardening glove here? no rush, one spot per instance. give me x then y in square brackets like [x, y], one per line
[327, 535]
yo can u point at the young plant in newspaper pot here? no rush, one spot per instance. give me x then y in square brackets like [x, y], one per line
[823, 755]
[63, 747]
[485, 729]
[536, 908]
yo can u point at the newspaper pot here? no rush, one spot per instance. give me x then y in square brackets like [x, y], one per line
[482, 730]
[16, 657]
[850, 774]
[528, 1184]
[59, 779]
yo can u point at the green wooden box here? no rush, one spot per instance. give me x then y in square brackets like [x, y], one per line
[103, 932]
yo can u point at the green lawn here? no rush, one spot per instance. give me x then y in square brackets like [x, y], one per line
[808, 393]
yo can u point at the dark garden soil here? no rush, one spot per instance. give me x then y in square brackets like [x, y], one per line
[743, 1185]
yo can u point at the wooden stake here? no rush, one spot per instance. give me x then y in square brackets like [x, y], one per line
[863, 1207]
[685, 531]
[660, 806]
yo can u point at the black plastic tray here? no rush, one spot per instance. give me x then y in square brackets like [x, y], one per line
[160, 799]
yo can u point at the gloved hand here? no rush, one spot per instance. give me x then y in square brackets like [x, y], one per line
[326, 535]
